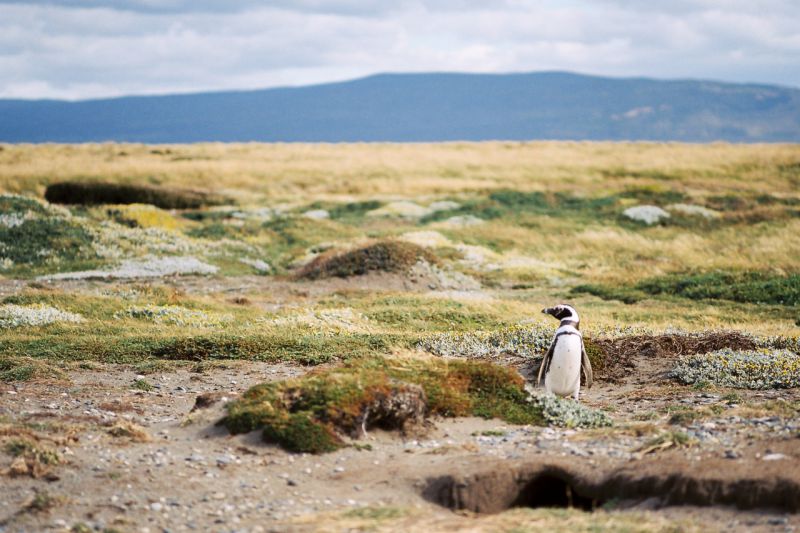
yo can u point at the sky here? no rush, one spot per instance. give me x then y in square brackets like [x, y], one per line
[78, 49]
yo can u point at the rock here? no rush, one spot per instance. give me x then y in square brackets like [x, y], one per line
[647, 214]
[258, 264]
[400, 209]
[463, 221]
[317, 214]
[773, 457]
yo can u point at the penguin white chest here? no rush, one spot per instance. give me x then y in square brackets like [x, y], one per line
[564, 375]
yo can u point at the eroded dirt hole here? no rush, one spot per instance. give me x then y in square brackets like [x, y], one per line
[552, 485]
[548, 490]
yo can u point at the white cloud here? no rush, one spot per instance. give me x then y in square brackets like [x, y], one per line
[89, 48]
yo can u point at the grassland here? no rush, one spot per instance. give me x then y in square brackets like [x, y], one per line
[396, 282]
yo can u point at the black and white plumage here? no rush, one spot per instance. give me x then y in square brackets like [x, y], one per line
[566, 358]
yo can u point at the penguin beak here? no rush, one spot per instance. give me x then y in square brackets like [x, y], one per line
[547, 310]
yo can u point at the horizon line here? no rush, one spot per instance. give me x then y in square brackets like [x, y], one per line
[389, 73]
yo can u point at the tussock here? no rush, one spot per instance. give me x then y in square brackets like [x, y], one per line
[381, 256]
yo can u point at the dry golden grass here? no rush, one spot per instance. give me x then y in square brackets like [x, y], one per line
[284, 171]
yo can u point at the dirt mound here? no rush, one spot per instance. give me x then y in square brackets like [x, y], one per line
[93, 193]
[613, 359]
[381, 256]
[557, 483]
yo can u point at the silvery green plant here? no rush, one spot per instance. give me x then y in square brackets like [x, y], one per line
[174, 315]
[529, 340]
[14, 316]
[748, 369]
[565, 412]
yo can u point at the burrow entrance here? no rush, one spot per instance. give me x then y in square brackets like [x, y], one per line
[568, 486]
[548, 490]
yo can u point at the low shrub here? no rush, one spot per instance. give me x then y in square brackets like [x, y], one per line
[383, 256]
[741, 369]
[15, 316]
[94, 193]
[521, 340]
[143, 216]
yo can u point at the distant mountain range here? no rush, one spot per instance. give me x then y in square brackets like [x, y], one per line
[426, 107]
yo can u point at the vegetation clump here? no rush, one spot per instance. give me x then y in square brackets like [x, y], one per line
[313, 413]
[13, 368]
[94, 193]
[612, 358]
[754, 287]
[15, 316]
[741, 369]
[381, 256]
[34, 234]
[143, 216]
[174, 315]
[528, 340]
[570, 414]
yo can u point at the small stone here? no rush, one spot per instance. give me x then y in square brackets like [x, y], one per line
[773, 457]
[156, 507]
[730, 454]
[339, 469]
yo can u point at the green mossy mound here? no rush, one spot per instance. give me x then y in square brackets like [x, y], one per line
[314, 413]
[382, 256]
[94, 193]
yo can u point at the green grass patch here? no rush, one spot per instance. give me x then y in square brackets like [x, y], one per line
[427, 314]
[14, 368]
[28, 448]
[300, 345]
[751, 287]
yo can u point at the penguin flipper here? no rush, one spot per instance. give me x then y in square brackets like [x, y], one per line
[546, 362]
[586, 366]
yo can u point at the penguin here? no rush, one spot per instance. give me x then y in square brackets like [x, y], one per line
[566, 357]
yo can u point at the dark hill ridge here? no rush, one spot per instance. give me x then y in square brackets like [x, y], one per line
[426, 107]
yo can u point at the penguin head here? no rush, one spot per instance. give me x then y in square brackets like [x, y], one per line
[562, 312]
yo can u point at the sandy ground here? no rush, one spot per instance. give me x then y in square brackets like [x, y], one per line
[192, 475]
[187, 473]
